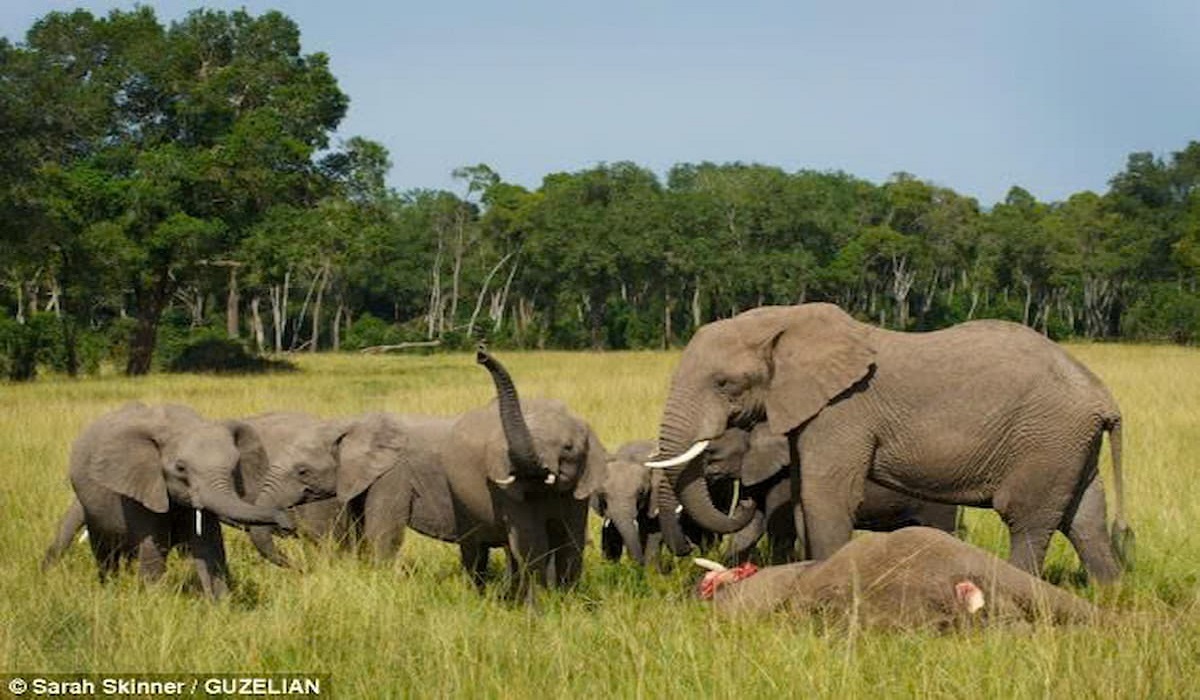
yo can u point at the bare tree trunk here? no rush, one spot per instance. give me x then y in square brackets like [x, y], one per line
[303, 309]
[232, 322]
[435, 289]
[479, 300]
[256, 325]
[323, 276]
[337, 325]
[460, 221]
[696, 320]
[667, 302]
[279, 302]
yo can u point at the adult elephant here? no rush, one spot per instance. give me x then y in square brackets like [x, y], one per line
[151, 478]
[379, 473]
[985, 413]
[520, 475]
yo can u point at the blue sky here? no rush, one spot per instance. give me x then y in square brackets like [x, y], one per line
[1052, 96]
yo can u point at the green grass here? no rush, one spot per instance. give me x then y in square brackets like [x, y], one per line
[418, 628]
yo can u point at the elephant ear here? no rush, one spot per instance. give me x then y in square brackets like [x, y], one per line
[252, 456]
[817, 353]
[767, 455]
[365, 449]
[595, 469]
[129, 461]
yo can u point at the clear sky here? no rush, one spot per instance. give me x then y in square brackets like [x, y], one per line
[1051, 95]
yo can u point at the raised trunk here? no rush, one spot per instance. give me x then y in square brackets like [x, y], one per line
[521, 452]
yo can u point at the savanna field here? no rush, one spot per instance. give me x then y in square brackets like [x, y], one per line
[418, 629]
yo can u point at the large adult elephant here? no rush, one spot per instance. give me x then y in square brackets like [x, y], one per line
[985, 413]
[150, 478]
[520, 475]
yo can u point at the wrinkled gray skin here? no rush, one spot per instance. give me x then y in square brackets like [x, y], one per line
[303, 453]
[498, 461]
[758, 459]
[986, 413]
[141, 472]
[903, 579]
[385, 474]
[631, 523]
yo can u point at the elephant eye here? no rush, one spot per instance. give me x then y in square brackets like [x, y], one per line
[302, 470]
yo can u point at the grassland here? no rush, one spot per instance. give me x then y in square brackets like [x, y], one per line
[419, 630]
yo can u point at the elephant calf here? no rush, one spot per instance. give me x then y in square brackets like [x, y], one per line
[151, 478]
[916, 576]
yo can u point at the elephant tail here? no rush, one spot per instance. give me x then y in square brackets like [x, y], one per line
[1122, 535]
[72, 522]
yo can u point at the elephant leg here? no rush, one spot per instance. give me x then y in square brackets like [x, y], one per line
[208, 555]
[152, 556]
[107, 552]
[834, 465]
[653, 550]
[1035, 500]
[611, 542]
[781, 530]
[1088, 533]
[567, 538]
[529, 554]
[475, 561]
[386, 513]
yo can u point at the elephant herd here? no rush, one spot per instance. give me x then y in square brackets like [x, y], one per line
[798, 424]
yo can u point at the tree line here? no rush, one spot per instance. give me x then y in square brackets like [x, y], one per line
[161, 184]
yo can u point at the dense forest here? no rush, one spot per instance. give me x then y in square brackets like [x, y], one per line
[163, 185]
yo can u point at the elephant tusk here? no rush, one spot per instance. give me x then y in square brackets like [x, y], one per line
[506, 480]
[969, 595]
[83, 536]
[692, 452]
[607, 522]
[678, 509]
[199, 522]
[708, 564]
[551, 478]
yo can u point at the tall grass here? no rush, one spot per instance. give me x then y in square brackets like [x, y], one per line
[419, 629]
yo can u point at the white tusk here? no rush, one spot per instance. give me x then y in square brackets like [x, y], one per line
[635, 525]
[199, 523]
[607, 522]
[506, 480]
[83, 536]
[708, 564]
[551, 478]
[678, 509]
[693, 452]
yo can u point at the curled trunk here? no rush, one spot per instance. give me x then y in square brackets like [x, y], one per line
[521, 451]
[668, 515]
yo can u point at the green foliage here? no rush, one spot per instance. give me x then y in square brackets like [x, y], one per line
[210, 353]
[1165, 312]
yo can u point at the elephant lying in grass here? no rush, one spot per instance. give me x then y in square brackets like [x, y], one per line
[913, 577]
[148, 479]
[758, 461]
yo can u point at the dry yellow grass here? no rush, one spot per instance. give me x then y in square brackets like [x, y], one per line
[418, 629]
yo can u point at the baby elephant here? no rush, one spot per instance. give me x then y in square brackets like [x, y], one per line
[151, 478]
[913, 577]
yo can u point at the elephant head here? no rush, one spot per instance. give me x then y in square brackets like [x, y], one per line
[750, 456]
[542, 443]
[626, 502]
[780, 365]
[170, 454]
[303, 466]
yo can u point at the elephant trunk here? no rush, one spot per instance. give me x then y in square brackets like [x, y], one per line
[668, 515]
[628, 528]
[521, 452]
[680, 434]
[220, 498]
